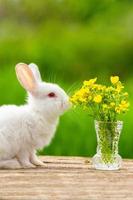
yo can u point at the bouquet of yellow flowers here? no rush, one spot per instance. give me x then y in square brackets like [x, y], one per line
[102, 102]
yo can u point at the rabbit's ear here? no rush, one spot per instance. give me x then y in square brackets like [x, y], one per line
[35, 71]
[26, 77]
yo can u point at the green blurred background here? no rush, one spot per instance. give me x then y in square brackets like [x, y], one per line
[71, 41]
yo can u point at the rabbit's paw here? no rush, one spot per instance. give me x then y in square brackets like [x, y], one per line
[36, 161]
[28, 165]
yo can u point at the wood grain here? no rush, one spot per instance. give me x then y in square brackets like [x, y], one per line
[67, 178]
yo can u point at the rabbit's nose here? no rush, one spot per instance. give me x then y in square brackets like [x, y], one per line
[66, 104]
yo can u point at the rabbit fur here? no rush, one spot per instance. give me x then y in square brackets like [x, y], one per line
[26, 128]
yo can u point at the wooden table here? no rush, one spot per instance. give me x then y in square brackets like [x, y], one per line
[67, 178]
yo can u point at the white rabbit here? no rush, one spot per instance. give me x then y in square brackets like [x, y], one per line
[25, 128]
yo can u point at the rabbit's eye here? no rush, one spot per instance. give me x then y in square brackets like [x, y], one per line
[51, 94]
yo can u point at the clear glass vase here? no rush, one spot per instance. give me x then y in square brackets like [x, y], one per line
[108, 134]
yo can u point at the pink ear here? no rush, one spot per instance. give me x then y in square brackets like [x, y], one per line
[26, 77]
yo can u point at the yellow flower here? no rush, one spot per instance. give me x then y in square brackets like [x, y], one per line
[101, 87]
[98, 87]
[90, 82]
[114, 79]
[82, 100]
[82, 92]
[97, 99]
[123, 102]
[124, 105]
[73, 99]
[117, 109]
[119, 87]
[125, 94]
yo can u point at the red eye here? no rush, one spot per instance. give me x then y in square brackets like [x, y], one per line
[51, 94]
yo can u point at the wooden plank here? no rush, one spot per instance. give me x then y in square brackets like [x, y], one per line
[67, 178]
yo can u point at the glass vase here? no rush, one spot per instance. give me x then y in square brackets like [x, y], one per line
[108, 134]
